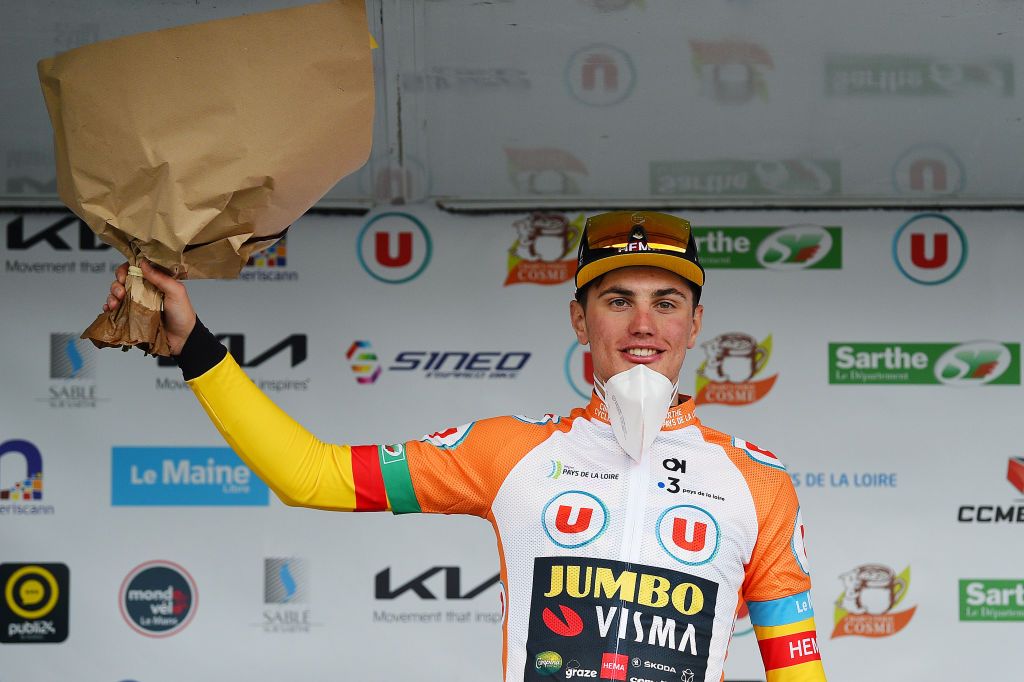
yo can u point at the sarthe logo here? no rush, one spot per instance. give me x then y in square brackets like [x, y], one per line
[896, 75]
[544, 250]
[866, 607]
[730, 371]
[992, 600]
[977, 363]
[34, 605]
[794, 247]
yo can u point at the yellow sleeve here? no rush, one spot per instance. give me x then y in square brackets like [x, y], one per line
[303, 470]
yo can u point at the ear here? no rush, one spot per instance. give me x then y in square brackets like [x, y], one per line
[578, 320]
[698, 320]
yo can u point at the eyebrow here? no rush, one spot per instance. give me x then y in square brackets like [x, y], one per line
[628, 293]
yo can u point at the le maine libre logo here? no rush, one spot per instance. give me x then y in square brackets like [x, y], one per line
[929, 249]
[976, 363]
[183, 476]
[792, 247]
[394, 247]
[34, 606]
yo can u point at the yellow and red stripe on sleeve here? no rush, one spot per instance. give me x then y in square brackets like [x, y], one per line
[790, 652]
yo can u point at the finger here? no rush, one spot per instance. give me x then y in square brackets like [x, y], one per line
[160, 280]
[111, 303]
[117, 290]
[121, 274]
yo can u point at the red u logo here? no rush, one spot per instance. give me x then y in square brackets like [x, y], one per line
[609, 72]
[382, 242]
[939, 255]
[700, 532]
[582, 519]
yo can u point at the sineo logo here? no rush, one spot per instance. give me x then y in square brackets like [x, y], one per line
[394, 247]
[929, 249]
[34, 606]
[437, 364]
[600, 75]
[975, 363]
[158, 599]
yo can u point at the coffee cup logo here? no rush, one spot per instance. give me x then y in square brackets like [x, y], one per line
[542, 252]
[727, 375]
[866, 606]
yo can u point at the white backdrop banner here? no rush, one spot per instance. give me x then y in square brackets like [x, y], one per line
[877, 352]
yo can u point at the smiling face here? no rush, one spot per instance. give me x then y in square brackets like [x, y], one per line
[638, 315]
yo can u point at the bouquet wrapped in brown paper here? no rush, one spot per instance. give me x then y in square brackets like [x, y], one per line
[196, 146]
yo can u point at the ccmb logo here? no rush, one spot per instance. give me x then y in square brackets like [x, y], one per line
[158, 599]
[34, 608]
[929, 249]
[394, 247]
[928, 170]
[600, 75]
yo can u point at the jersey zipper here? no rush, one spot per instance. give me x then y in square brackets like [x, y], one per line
[638, 475]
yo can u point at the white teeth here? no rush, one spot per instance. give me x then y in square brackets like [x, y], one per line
[641, 352]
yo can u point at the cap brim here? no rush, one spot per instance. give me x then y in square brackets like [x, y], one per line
[680, 266]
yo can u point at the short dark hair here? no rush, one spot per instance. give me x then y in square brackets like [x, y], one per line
[581, 293]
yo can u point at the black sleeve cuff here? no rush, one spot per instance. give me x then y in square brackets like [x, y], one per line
[201, 352]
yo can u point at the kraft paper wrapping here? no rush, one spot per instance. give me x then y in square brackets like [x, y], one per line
[196, 146]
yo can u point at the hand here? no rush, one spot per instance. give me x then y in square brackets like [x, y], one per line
[179, 316]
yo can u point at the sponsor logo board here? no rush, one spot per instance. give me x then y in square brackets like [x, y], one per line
[581, 606]
[874, 480]
[183, 476]
[732, 177]
[158, 599]
[731, 373]
[867, 607]
[34, 606]
[367, 367]
[792, 247]
[975, 363]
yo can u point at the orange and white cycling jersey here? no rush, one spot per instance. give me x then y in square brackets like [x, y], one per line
[613, 568]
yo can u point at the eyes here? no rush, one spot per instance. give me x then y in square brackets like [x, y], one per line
[620, 303]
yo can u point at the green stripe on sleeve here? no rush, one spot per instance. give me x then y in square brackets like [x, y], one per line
[397, 479]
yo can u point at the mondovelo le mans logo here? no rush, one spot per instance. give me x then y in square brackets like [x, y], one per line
[929, 248]
[574, 518]
[653, 619]
[731, 369]
[394, 247]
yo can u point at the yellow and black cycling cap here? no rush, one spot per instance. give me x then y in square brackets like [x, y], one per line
[623, 238]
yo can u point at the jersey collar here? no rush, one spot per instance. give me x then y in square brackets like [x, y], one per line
[679, 416]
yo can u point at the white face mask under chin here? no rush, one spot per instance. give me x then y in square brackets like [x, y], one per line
[637, 401]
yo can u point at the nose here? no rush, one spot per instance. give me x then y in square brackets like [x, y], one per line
[641, 322]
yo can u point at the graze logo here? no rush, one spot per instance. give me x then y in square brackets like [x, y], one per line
[285, 585]
[65, 242]
[443, 364]
[544, 250]
[991, 600]
[728, 375]
[25, 488]
[579, 369]
[34, 608]
[364, 363]
[547, 663]
[600, 75]
[394, 247]
[544, 170]
[867, 605]
[929, 170]
[977, 363]
[614, 666]
[158, 599]
[929, 248]
[797, 543]
[727, 177]
[574, 518]
[269, 264]
[424, 587]
[290, 351]
[794, 247]
[72, 372]
[996, 513]
[731, 71]
[903, 75]
[688, 534]
[183, 476]
[654, 620]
